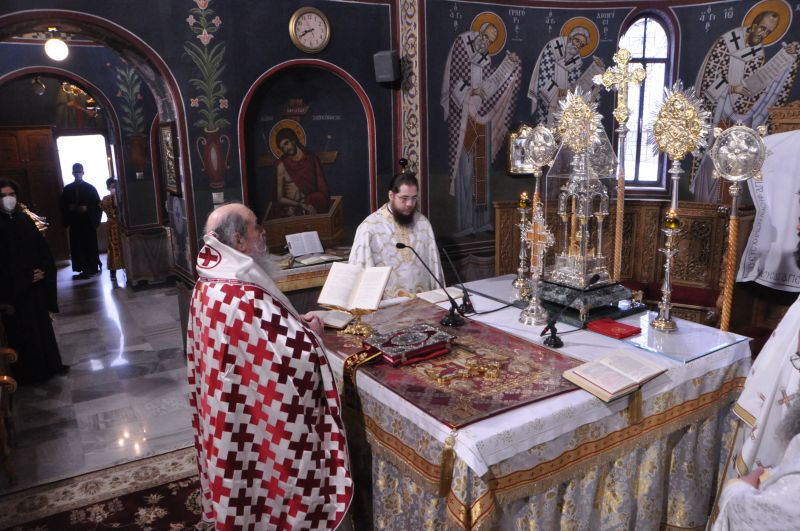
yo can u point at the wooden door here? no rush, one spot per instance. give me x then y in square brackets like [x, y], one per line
[30, 157]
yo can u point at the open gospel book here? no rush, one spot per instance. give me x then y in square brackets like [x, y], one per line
[352, 287]
[615, 375]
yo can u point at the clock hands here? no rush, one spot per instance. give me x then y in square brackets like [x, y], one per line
[307, 31]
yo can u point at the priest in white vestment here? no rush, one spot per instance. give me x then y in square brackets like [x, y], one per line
[772, 387]
[271, 449]
[767, 499]
[398, 221]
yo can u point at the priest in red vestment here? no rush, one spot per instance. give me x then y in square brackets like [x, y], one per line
[271, 447]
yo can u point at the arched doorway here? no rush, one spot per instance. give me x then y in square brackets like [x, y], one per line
[44, 105]
[156, 76]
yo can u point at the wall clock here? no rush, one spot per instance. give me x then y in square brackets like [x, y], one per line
[309, 29]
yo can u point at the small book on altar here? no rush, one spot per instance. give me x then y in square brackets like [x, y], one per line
[612, 328]
[319, 259]
[333, 318]
[304, 243]
[618, 374]
[410, 344]
[438, 295]
[352, 287]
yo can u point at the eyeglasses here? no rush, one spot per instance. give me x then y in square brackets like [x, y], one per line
[407, 198]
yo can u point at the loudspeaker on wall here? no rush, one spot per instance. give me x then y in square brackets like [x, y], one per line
[387, 66]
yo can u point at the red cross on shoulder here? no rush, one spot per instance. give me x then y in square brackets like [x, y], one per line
[208, 257]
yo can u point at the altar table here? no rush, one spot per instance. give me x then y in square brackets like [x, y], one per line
[565, 462]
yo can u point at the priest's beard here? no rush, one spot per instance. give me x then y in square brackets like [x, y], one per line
[791, 422]
[403, 220]
[260, 255]
[270, 266]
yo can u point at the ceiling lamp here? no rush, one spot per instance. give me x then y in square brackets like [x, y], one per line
[55, 48]
[38, 86]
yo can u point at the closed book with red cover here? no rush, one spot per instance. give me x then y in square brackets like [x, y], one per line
[612, 328]
[410, 344]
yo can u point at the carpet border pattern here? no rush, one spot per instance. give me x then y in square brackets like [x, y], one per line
[45, 500]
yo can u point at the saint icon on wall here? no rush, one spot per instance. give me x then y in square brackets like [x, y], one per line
[478, 95]
[301, 188]
[737, 82]
[300, 185]
[300, 200]
[559, 68]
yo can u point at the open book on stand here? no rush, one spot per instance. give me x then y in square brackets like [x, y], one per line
[304, 243]
[618, 374]
[352, 287]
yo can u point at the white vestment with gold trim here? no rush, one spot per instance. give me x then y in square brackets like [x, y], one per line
[773, 505]
[375, 245]
[771, 388]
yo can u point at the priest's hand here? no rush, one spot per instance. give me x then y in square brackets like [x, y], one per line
[313, 322]
[754, 477]
[740, 90]
[38, 275]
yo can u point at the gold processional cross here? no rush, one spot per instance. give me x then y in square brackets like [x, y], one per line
[619, 77]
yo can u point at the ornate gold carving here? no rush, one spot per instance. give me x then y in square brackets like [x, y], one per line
[619, 77]
[682, 125]
[579, 123]
[786, 118]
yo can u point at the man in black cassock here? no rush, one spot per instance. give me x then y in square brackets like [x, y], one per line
[27, 291]
[80, 210]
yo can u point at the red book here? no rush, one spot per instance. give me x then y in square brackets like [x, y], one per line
[408, 345]
[612, 328]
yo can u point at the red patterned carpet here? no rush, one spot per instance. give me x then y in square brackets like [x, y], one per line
[161, 492]
[172, 506]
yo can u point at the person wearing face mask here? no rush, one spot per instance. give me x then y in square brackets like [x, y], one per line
[271, 448]
[108, 204]
[28, 291]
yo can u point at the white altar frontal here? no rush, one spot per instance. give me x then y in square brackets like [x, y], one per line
[570, 461]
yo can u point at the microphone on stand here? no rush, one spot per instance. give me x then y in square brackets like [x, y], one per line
[452, 319]
[553, 340]
[466, 305]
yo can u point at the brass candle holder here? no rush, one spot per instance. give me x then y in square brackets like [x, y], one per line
[681, 127]
[357, 326]
[521, 284]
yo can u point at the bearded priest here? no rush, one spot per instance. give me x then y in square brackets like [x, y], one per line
[399, 221]
[271, 449]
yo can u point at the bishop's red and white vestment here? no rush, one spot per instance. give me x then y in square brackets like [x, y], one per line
[271, 447]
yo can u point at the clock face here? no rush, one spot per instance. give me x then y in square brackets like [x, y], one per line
[309, 30]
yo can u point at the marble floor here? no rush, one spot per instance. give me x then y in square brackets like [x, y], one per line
[126, 395]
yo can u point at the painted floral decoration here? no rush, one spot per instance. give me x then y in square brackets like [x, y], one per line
[129, 89]
[210, 99]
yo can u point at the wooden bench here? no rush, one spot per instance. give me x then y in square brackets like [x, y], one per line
[7, 388]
